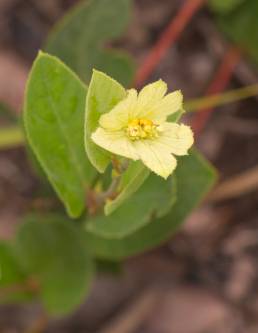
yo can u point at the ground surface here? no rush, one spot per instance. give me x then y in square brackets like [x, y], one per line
[205, 280]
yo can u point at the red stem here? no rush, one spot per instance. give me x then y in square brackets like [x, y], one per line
[166, 40]
[218, 84]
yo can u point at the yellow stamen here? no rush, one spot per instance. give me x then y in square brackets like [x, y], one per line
[142, 129]
[145, 122]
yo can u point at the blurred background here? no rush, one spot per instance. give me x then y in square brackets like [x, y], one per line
[205, 279]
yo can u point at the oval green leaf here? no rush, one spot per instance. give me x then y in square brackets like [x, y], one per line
[78, 39]
[12, 275]
[53, 251]
[53, 118]
[10, 269]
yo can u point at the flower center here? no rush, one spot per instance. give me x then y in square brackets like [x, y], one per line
[142, 129]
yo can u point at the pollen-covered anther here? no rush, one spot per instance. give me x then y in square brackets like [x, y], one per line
[142, 129]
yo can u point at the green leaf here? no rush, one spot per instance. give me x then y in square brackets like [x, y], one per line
[131, 180]
[53, 117]
[109, 267]
[103, 94]
[10, 268]
[54, 251]
[224, 6]
[12, 277]
[78, 39]
[241, 26]
[194, 178]
[153, 199]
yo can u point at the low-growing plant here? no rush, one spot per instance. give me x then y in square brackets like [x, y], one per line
[121, 163]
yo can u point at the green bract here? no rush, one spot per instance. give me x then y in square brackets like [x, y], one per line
[103, 94]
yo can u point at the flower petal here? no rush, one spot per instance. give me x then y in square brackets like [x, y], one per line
[156, 157]
[171, 103]
[149, 95]
[176, 138]
[116, 142]
[119, 116]
[152, 92]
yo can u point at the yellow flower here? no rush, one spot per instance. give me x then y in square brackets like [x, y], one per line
[137, 128]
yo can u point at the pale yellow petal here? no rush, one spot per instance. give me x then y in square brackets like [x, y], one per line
[171, 103]
[154, 91]
[156, 157]
[148, 96]
[119, 116]
[177, 139]
[116, 142]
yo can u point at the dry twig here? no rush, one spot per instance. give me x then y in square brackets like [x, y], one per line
[166, 39]
[218, 84]
[238, 185]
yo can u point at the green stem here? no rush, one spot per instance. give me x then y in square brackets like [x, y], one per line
[216, 100]
[111, 191]
[11, 137]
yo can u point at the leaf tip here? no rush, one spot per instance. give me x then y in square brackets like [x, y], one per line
[42, 54]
